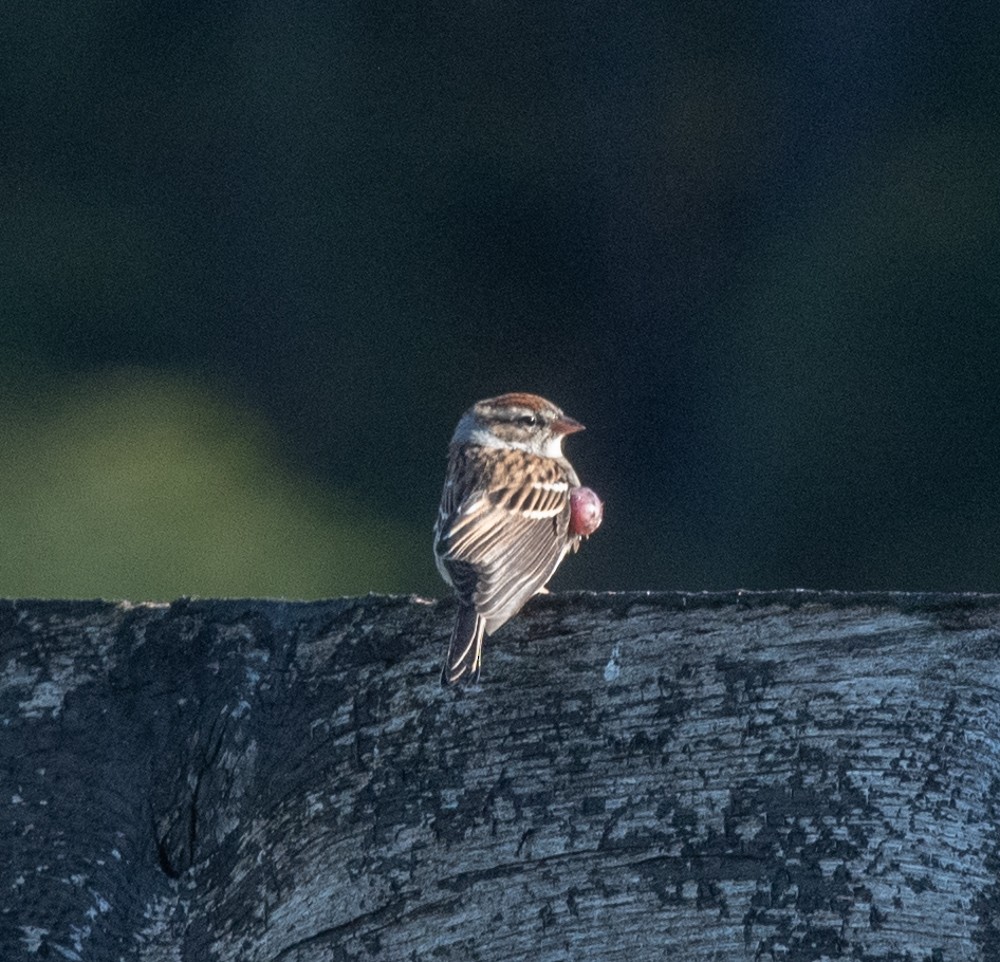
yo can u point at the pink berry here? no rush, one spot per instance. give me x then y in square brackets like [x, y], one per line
[586, 512]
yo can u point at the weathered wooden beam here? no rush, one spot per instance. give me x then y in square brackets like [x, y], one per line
[789, 776]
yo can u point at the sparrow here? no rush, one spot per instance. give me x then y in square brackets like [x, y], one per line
[506, 520]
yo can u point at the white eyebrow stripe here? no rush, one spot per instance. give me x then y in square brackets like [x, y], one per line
[551, 485]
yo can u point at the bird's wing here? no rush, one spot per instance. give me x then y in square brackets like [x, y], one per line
[500, 545]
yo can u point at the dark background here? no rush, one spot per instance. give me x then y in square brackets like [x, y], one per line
[257, 259]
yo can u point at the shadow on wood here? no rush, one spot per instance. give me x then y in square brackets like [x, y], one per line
[789, 776]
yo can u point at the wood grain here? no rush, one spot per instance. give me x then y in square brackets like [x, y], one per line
[783, 776]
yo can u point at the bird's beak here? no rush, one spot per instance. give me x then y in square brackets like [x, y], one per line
[565, 425]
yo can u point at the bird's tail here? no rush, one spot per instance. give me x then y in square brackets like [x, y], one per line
[465, 650]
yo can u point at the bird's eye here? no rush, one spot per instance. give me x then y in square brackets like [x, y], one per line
[528, 419]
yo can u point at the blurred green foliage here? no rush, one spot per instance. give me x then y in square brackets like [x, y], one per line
[257, 259]
[139, 485]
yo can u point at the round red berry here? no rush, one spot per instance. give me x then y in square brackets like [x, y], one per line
[586, 512]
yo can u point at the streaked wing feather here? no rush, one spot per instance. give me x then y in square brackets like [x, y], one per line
[464, 578]
[512, 554]
[507, 587]
[499, 545]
